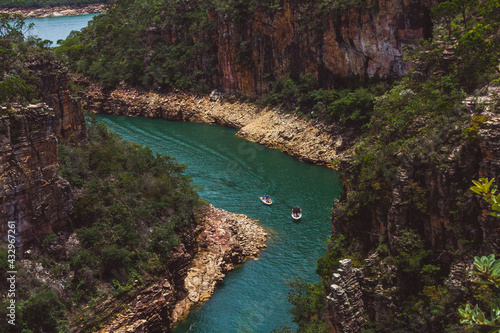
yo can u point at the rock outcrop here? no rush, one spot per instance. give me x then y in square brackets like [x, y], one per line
[224, 240]
[346, 298]
[449, 219]
[310, 141]
[32, 193]
[330, 42]
[56, 11]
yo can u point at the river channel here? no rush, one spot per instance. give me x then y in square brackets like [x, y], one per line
[232, 174]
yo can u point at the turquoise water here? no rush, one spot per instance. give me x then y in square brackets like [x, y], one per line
[55, 28]
[233, 174]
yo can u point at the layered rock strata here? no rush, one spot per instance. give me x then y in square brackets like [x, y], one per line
[346, 298]
[31, 192]
[311, 141]
[224, 239]
[330, 42]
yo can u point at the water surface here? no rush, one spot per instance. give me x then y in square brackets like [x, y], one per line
[233, 173]
[55, 28]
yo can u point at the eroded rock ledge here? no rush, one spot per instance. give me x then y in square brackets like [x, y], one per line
[225, 239]
[56, 11]
[311, 141]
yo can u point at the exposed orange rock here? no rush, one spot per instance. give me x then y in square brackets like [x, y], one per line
[331, 44]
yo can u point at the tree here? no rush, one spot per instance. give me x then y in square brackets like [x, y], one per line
[448, 9]
[486, 267]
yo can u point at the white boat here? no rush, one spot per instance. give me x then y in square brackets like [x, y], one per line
[267, 200]
[297, 216]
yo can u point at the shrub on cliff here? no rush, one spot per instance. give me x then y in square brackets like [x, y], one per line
[132, 206]
[19, 83]
[308, 306]
[42, 311]
[351, 107]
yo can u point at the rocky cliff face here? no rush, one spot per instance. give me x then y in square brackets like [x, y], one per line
[32, 194]
[67, 109]
[451, 219]
[250, 44]
[364, 41]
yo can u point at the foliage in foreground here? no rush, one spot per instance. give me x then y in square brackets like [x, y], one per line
[486, 268]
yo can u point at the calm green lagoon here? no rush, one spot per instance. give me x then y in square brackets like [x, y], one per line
[232, 174]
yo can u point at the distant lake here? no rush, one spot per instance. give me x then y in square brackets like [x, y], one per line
[55, 28]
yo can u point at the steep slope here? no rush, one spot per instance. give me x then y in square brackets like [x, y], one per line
[33, 194]
[242, 46]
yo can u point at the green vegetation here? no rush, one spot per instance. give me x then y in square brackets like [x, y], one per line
[418, 126]
[308, 306]
[351, 107]
[133, 207]
[18, 83]
[167, 45]
[46, 3]
[488, 269]
[126, 45]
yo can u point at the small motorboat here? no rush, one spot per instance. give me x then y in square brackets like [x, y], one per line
[266, 199]
[296, 213]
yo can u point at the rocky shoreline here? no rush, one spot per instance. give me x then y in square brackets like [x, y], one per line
[227, 239]
[56, 11]
[308, 140]
[224, 240]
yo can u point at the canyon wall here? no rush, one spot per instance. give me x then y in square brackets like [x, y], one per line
[311, 141]
[32, 193]
[334, 44]
[450, 220]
